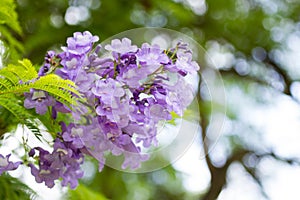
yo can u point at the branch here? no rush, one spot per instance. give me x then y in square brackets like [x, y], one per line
[252, 172]
[286, 80]
[290, 161]
[284, 75]
[218, 174]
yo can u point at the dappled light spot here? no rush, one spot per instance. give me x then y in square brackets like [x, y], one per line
[75, 15]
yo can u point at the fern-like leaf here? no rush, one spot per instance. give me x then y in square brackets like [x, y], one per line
[30, 69]
[13, 189]
[54, 80]
[24, 72]
[10, 103]
[10, 76]
[15, 80]
[63, 90]
[5, 84]
[57, 87]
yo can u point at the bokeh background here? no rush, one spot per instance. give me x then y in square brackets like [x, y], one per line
[254, 44]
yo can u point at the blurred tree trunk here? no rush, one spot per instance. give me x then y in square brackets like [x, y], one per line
[218, 174]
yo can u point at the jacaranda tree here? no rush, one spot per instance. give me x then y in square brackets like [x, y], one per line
[86, 100]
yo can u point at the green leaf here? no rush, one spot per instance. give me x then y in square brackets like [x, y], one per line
[11, 103]
[29, 68]
[5, 84]
[82, 193]
[9, 76]
[25, 73]
[17, 79]
[13, 189]
[174, 117]
[13, 47]
[10, 31]
[9, 16]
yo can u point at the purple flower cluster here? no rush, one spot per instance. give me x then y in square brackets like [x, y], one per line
[6, 165]
[38, 99]
[129, 90]
[64, 162]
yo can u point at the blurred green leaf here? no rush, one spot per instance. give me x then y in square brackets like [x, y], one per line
[83, 193]
[9, 16]
[13, 189]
